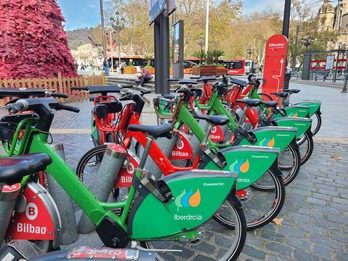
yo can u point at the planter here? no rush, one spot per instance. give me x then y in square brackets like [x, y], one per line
[130, 70]
[208, 70]
[220, 70]
[195, 70]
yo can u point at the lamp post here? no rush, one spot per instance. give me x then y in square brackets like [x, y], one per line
[307, 41]
[118, 25]
[103, 28]
[250, 52]
[344, 51]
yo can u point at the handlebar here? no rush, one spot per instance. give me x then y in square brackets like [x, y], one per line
[42, 107]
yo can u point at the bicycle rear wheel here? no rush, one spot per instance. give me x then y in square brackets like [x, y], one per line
[31, 248]
[215, 243]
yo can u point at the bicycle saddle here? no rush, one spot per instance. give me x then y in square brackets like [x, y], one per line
[273, 104]
[153, 130]
[250, 102]
[280, 94]
[13, 169]
[291, 91]
[214, 120]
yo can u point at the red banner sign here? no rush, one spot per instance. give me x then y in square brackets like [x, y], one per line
[275, 64]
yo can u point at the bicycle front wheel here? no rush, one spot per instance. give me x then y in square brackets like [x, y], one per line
[215, 242]
[316, 123]
[289, 162]
[264, 199]
[306, 145]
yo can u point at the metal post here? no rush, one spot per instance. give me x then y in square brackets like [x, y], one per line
[344, 90]
[286, 18]
[103, 28]
[118, 25]
[158, 67]
[295, 49]
[207, 28]
[337, 58]
[165, 53]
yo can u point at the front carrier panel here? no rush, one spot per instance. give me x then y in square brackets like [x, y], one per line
[196, 195]
[250, 162]
[272, 136]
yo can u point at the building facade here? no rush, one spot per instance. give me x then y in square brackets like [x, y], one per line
[336, 19]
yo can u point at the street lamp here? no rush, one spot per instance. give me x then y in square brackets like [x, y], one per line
[118, 25]
[249, 52]
[307, 41]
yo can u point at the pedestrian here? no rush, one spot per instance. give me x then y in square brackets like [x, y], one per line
[123, 64]
[145, 76]
[106, 67]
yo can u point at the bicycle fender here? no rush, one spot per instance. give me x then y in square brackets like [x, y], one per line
[40, 219]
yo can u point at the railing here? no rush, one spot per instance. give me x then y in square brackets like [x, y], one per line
[60, 84]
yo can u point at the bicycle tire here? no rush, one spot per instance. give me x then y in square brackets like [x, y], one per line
[265, 97]
[306, 145]
[289, 162]
[264, 199]
[235, 237]
[96, 154]
[316, 123]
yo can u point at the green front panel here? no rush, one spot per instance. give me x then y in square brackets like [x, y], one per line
[313, 106]
[250, 162]
[272, 136]
[295, 111]
[197, 195]
[302, 124]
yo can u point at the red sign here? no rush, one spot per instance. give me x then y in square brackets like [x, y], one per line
[127, 171]
[182, 149]
[217, 134]
[275, 64]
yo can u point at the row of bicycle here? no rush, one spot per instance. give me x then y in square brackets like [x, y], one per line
[199, 176]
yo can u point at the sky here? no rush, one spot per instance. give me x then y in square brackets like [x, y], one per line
[85, 13]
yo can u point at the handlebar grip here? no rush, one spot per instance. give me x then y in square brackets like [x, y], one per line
[20, 105]
[68, 108]
[59, 95]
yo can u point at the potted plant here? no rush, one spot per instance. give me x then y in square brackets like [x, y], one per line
[130, 69]
[149, 63]
[212, 67]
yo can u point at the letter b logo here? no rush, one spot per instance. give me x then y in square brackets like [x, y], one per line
[31, 211]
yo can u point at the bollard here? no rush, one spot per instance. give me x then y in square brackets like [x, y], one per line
[8, 199]
[105, 179]
[64, 204]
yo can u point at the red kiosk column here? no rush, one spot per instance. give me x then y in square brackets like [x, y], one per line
[275, 64]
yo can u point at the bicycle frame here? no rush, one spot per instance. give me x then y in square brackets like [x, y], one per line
[269, 136]
[235, 156]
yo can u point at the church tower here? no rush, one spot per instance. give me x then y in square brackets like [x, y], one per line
[326, 16]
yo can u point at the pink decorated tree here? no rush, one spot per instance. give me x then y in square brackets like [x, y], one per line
[33, 43]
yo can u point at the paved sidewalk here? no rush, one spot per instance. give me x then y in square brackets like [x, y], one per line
[315, 215]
